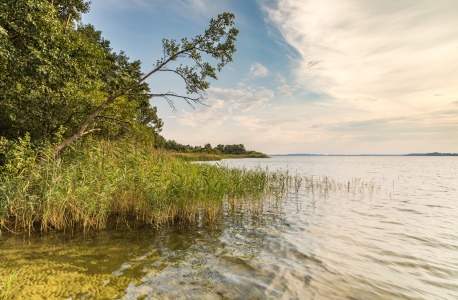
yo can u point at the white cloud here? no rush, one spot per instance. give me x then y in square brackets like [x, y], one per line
[224, 103]
[400, 53]
[287, 90]
[258, 70]
[279, 129]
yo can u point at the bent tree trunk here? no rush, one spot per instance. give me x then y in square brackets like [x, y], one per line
[82, 129]
[218, 42]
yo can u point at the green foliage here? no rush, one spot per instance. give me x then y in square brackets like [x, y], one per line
[15, 156]
[61, 81]
[70, 9]
[218, 42]
[118, 73]
[232, 149]
[228, 151]
[101, 179]
[47, 79]
[54, 74]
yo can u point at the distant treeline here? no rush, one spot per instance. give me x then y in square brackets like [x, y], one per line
[432, 154]
[172, 145]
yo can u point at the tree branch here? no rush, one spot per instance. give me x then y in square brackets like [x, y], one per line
[165, 95]
[186, 81]
[95, 129]
[68, 20]
[215, 32]
[196, 100]
[172, 57]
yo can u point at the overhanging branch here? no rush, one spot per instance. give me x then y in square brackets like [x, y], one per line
[210, 43]
[198, 100]
[186, 80]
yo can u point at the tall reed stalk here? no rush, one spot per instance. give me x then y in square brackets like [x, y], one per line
[100, 180]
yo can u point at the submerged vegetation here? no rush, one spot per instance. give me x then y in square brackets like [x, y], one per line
[5, 285]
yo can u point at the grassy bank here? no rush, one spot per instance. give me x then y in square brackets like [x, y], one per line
[101, 180]
[215, 157]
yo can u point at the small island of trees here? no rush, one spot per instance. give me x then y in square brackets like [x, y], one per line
[207, 152]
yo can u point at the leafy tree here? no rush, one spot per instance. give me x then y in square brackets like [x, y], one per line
[220, 148]
[47, 74]
[54, 74]
[68, 10]
[120, 72]
[217, 42]
[58, 79]
[234, 149]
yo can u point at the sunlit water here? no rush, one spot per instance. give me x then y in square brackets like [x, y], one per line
[399, 242]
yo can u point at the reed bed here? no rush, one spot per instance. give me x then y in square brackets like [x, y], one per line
[103, 180]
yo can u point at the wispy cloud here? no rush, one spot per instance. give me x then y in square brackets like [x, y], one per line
[258, 70]
[224, 103]
[400, 53]
[415, 127]
[287, 90]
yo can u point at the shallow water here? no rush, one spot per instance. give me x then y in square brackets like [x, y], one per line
[397, 242]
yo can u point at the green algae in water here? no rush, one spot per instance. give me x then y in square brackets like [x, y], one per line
[54, 266]
[176, 261]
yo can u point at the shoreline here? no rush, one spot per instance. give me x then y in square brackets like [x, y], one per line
[102, 180]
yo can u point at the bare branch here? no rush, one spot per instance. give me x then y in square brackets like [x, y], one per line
[111, 118]
[166, 95]
[68, 20]
[196, 100]
[176, 72]
[171, 104]
[95, 129]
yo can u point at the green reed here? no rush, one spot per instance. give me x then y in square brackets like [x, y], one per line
[100, 181]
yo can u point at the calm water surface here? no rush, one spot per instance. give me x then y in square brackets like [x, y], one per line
[399, 242]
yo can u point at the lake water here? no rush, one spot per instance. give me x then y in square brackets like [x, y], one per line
[397, 241]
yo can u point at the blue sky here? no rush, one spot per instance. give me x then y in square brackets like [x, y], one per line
[309, 76]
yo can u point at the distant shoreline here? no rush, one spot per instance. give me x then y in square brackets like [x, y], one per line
[411, 154]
